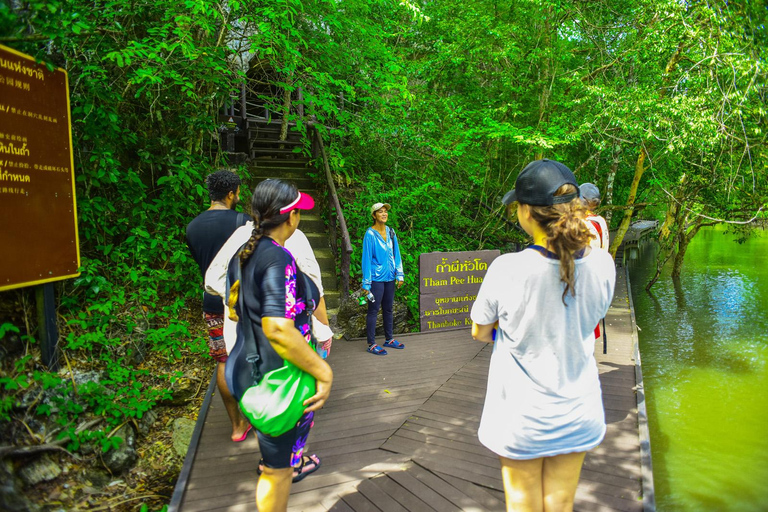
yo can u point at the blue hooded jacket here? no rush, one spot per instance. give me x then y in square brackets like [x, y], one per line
[381, 258]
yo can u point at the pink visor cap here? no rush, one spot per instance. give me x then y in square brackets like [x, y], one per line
[302, 202]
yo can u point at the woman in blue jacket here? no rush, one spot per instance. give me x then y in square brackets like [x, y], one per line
[382, 268]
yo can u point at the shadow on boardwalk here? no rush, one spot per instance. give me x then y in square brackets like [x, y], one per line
[400, 434]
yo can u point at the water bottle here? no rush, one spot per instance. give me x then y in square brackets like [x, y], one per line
[370, 297]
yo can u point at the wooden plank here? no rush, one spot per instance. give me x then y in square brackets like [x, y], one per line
[486, 497]
[341, 506]
[447, 491]
[382, 500]
[423, 491]
[475, 473]
[359, 503]
[407, 499]
[399, 444]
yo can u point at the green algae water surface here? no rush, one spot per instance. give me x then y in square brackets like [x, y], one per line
[704, 348]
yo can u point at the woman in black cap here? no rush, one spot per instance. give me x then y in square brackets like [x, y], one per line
[543, 406]
[278, 301]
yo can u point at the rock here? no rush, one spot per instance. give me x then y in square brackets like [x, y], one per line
[124, 456]
[11, 347]
[81, 378]
[96, 477]
[42, 469]
[352, 320]
[146, 422]
[235, 159]
[11, 498]
[182, 435]
[182, 390]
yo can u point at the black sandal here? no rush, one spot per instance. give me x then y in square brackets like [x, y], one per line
[300, 472]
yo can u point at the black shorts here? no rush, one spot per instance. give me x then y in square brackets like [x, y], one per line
[286, 450]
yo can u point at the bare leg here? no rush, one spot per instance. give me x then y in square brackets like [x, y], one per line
[561, 477]
[273, 489]
[239, 423]
[522, 484]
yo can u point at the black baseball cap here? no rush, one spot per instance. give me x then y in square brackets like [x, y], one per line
[538, 182]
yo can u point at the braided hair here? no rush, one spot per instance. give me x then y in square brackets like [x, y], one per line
[566, 231]
[268, 197]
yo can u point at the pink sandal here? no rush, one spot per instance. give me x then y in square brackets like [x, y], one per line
[245, 434]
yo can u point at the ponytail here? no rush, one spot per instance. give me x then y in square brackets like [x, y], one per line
[567, 233]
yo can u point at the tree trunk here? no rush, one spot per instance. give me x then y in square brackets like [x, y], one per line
[684, 240]
[640, 165]
[286, 112]
[546, 70]
[639, 170]
[608, 197]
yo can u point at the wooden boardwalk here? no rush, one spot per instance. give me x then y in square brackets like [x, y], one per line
[399, 433]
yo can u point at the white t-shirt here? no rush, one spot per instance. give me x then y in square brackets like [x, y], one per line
[600, 240]
[543, 395]
[216, 275]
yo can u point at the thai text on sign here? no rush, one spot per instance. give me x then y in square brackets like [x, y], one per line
[38, 240]
[448, 285]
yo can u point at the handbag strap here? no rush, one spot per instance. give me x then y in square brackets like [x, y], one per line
[599, 230]
[247, 328]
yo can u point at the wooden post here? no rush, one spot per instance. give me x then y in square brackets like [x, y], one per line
[243, 106]
[300, 98]
[48, 332]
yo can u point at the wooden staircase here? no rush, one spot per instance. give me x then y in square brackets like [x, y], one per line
[273, 158]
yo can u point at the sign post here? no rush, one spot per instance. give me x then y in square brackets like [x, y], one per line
[38, 217]
[448, 286]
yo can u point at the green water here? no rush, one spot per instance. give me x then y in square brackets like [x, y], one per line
[704, 347]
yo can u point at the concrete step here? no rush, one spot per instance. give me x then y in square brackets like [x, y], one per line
[272, 171]
[324, 256]
[329, 278]
[303, 183]
[312, 222]
[331, 299]
[256, 152]
[273, 143]
[267, 162]
[318, 240]
[270, 131]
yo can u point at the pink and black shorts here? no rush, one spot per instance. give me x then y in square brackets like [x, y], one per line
[217, 349]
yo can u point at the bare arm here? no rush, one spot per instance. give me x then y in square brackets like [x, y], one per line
[291, 346]
[483, 333]
[320, 312]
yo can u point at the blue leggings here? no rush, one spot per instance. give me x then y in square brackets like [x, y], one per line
[384, 293]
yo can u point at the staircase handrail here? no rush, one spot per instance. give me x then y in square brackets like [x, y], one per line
[346, 243]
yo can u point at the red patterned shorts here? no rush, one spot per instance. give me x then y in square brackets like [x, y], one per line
[217, 349]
